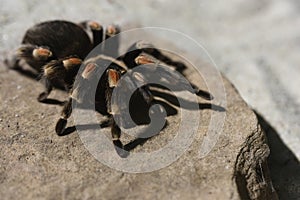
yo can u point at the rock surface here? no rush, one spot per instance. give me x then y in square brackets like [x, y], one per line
[37, 164]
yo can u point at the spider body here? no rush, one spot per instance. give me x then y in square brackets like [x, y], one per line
[57, 50]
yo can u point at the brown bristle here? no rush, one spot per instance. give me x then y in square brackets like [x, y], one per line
[70, 62]
[41, 53]
[112, 29]
[48, 71]
[113, 78]
[52, 69]
[143, 60]
[95, 25]
[89, 68]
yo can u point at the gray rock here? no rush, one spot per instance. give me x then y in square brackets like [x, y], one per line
[37, 164]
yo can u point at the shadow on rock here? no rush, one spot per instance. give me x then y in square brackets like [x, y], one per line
[283, 164]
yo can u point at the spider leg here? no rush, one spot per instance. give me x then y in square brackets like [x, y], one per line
[144, 47]
[62, 71]
[112, 46]
[171, 78]
[35, 56]
[116, 134]
[111, 31]
[48, 88]
[12, 61]
[54, 72]
[97, 31]
[77, 95]
[65, 114]
[113, 76]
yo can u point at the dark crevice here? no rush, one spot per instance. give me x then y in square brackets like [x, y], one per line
[241, 186]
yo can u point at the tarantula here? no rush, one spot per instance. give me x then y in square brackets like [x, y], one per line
[57, 50]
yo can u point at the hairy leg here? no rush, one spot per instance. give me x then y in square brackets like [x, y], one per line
[65, 114]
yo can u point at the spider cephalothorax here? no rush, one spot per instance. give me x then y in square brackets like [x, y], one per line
[57, 50]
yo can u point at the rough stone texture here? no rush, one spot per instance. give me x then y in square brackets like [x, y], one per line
[35, 163]
[251, 166]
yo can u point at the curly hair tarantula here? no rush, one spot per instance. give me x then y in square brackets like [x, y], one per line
[56, 49]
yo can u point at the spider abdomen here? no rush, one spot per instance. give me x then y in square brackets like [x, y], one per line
[62, 37]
